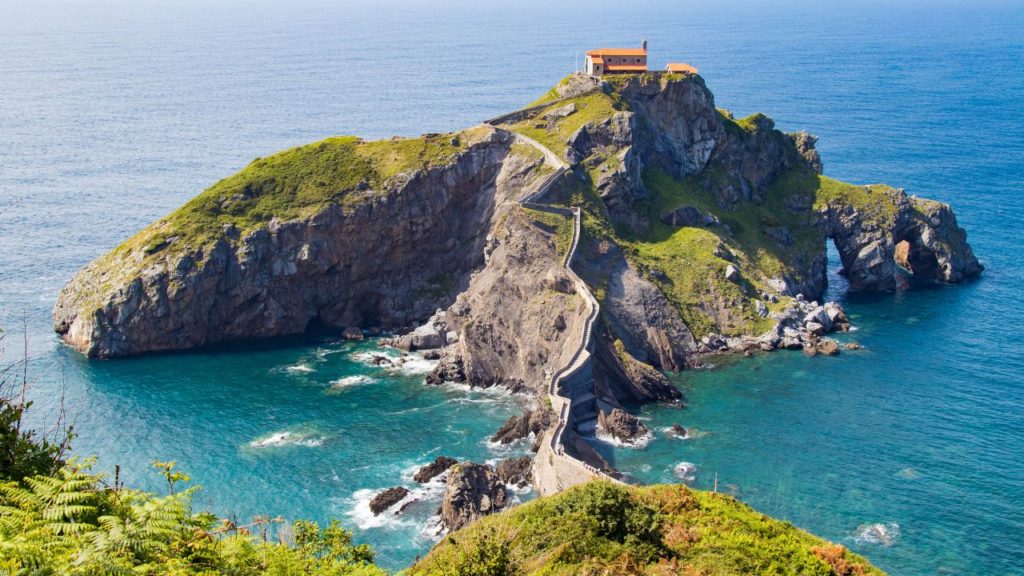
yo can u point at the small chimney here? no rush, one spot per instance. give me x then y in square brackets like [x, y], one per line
[644, 44]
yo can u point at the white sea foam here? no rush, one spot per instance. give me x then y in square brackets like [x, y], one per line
[361, 515]
[429, 493]
[685, 471]
[640, 442]
[408, 364]
[349, 381]
[300, 368]
[414, 364]
[882, 534]
[286, 438]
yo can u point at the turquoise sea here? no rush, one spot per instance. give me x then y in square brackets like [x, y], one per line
[112, 113]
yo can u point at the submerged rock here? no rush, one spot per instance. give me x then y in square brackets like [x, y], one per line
[473, 491]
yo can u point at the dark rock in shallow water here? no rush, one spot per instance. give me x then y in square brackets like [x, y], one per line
[621, 425]
[439, 466]
[387, 498]
[473, 491]
[519, 427]
[516, 471]
[679, 431]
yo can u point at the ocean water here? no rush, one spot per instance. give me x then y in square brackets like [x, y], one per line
[911, 451]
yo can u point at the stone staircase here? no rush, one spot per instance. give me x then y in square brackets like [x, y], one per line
[571, 389]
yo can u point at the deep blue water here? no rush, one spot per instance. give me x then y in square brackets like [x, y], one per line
[113, 113]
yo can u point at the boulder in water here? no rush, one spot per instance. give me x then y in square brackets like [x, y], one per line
[439, 466]
[387, 498]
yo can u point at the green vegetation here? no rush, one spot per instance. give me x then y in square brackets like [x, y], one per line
[560, 227]
[74, 522]
[604, 528]
[554, 134]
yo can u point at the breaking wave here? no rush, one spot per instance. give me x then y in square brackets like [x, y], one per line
[350, 381]
[685, 471]
[287, 439]
[880, 534]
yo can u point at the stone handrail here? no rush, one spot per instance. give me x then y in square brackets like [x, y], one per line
[581, 356]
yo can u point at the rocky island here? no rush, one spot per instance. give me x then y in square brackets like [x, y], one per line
[574, 250]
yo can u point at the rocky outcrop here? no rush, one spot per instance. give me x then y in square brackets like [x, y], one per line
[456, 254]
[621, 425]
[515, 471]
[513, 320]
[933, 246]
[439, 466]
[520, 427]
[628, 379]
[473, 491]
[387, 498]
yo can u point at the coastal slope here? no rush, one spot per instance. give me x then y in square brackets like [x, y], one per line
[603, 528]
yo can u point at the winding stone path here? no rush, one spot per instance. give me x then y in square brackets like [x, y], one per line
[554, 467]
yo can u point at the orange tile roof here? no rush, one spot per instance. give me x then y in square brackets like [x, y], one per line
[626, 68]
[618, 52]
[597, 59]
[681, 67]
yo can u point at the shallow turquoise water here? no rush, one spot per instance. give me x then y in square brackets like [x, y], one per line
[112, 113]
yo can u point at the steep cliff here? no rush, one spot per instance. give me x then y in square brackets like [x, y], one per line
[338, 233]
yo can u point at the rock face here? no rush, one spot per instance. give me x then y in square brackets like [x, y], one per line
[513, 323]
[439, 466]
[387, 498]
[473, 491]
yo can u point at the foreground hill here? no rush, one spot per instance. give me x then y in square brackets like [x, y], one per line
[604, 528]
